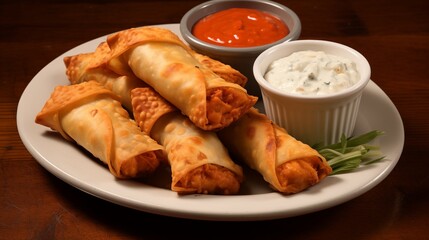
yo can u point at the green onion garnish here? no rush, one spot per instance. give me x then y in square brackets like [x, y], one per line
[349, 153]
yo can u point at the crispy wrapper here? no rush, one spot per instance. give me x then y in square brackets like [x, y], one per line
[163, 61]
[93, 66]
[90, 115]
[288, 165]
[198, 160]
[222, 70]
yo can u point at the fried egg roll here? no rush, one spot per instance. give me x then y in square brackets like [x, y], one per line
[163, 61]
[92, 66]
[198, 161]
[288, 165]
[91, 116]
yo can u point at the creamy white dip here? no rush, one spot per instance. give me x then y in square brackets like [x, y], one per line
[312, 73]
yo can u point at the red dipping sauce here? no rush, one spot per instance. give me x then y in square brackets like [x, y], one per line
[240, 27]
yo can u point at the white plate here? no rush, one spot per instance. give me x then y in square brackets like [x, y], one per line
[255, 202]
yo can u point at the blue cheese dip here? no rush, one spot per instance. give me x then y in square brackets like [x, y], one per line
[312, 73]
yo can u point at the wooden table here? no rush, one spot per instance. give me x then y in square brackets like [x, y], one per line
[34, 204]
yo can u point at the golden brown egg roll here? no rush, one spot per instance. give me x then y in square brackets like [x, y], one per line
[288, 165]
[199, 162]
[92, 66]
[163, 61]
[90, 115]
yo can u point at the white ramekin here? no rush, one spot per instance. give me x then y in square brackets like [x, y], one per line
[313, 119]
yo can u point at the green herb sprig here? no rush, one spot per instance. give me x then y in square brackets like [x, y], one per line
[349, 153]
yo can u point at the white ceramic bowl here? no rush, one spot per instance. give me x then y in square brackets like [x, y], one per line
[312, 119]
[240, 58]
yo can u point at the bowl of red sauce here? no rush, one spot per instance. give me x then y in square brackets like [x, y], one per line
[236, 32]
